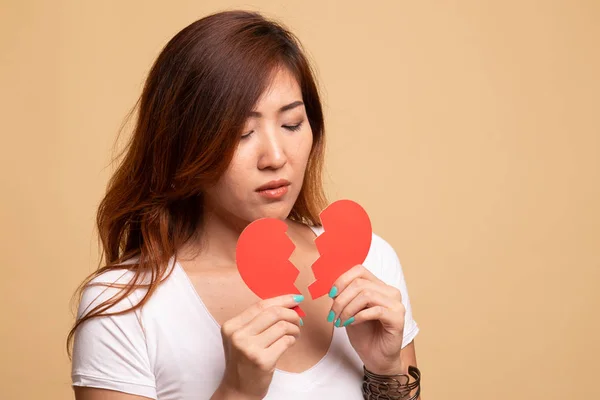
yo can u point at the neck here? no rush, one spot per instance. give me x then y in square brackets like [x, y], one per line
[217, 237]
[219, 233]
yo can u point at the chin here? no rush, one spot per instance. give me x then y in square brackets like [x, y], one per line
[279, 210]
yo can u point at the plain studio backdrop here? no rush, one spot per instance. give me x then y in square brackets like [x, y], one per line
[469, 130]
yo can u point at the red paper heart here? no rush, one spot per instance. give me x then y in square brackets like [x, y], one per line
[344, 244]
[262, 255]
[263, 251]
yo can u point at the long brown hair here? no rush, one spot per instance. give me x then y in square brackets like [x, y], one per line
[191, 112]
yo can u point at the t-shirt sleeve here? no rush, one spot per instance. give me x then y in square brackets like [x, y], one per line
[110, 352]
[390, 271]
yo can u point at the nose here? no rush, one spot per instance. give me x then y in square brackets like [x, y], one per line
[272, 153]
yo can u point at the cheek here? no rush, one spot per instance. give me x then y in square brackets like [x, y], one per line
[230, 182]
[235, 179]
[305, 147]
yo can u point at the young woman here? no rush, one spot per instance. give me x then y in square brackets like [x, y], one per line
[230, 129]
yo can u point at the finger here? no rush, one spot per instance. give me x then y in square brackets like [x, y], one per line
[269, 317]
[274, 352]
[352, 290]
[367, 299]
[390, 319]
[358, 271]
[275, 332]
[240, 320]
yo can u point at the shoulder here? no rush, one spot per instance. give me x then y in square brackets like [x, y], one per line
[110, 350]
[102, 288]
[108, 285]
[383, 260]
[382, 249]
[125, 286]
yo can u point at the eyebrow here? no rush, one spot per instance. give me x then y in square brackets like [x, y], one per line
[281, 110]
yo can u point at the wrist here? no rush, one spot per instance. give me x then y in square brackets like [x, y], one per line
[395, 368]
[398, 386]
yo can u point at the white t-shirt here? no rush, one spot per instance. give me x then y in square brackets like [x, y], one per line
[172, 349]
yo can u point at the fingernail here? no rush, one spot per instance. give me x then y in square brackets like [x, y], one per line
[338, 322]
[350, 320]
[298, 298]
[330, 316]
[333, 292]
[301, 322]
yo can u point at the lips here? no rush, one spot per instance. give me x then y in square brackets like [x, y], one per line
[272, 185]
[274, 190]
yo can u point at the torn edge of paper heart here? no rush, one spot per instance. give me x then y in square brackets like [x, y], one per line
[345, 242]
[263, 254]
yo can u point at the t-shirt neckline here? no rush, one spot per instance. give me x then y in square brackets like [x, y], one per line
[299, 380]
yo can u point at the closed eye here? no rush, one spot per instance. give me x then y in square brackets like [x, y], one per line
[293, 128]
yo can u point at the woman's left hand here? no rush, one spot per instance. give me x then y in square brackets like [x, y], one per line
[373, 315]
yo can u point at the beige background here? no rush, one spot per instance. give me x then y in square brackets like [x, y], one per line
[470, 131]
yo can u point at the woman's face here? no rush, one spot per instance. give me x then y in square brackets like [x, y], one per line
[267, 170]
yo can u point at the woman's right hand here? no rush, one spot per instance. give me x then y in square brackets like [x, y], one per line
[253, 342]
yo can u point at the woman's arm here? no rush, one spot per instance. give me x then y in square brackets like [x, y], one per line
[90, 393]
[409, 357]
[110, 355]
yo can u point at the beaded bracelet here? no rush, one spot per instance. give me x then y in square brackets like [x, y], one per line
[391, 387]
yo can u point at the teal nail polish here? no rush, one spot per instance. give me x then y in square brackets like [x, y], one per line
[298, 298]
[331, 316]
[301, 322]
[338, 322]
[333, 292]
[350, 320]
